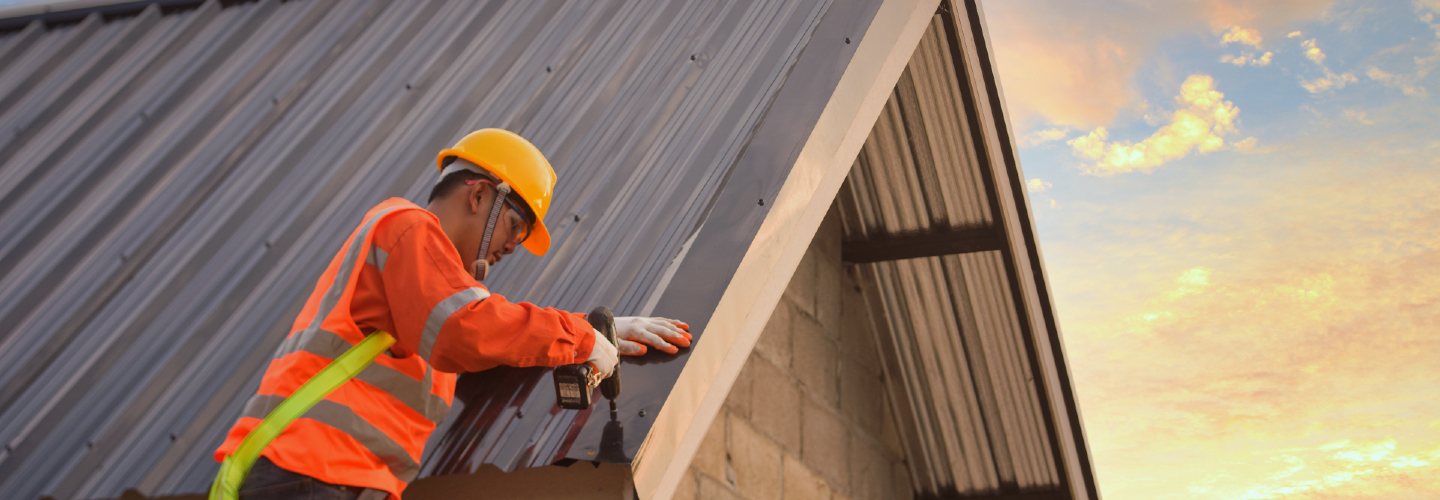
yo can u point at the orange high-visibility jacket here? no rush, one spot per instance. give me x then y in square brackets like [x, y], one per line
[398, 272]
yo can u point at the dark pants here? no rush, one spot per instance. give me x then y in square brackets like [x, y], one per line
[270, 482]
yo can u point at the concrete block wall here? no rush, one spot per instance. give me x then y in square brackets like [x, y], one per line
[808, 416]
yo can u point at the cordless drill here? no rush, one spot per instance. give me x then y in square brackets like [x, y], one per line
[575, 383]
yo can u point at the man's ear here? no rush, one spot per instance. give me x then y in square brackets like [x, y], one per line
[473, 198]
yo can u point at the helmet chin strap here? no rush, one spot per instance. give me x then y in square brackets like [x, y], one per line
[482, 264]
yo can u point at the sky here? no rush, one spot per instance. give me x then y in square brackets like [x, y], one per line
[1237, 207]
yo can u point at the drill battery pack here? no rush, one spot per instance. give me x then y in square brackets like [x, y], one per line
[575, 384]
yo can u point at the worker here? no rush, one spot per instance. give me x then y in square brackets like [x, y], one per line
[415, 272]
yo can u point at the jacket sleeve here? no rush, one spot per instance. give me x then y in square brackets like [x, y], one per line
[452, 321]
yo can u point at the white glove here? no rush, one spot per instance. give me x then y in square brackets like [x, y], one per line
[603, 356]
[634, 333]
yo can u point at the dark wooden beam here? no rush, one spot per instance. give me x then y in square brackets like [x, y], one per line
[948, 242]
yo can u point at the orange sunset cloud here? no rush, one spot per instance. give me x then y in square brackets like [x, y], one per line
[1201, 123]
[1280, 365]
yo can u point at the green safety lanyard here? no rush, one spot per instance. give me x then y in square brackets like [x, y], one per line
[236, 466]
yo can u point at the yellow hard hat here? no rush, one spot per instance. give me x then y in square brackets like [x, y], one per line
[516, 162]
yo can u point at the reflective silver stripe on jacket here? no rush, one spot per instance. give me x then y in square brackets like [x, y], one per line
[347, 266]
[341, 417]
[416, 394]
[377, 258]
[442, 312]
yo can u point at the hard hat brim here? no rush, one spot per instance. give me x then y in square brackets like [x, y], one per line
[539, 240]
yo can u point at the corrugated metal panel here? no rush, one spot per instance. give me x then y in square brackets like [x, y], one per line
[927, 186]
[173, 181]
[955, 339]
[960, 355]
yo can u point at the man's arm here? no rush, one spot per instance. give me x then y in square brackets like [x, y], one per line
[441, 313]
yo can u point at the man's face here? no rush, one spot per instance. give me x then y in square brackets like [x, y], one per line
[511, 229]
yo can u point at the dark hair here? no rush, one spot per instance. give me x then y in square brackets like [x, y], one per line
[452, 182]
[458, 178]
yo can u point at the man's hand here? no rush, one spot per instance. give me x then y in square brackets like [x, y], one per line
[636, 333]
[603, 356]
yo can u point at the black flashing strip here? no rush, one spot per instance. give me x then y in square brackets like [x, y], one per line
[948, 242]
[63, 16]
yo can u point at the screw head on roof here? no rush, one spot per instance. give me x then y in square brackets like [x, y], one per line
[847, 40]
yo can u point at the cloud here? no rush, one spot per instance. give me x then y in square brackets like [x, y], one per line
[1358, 116]
[1263, 331]
[1313, 52]
[1352, 470]
[1245, 36]
[1200, 124]
[1429, 13]
[1248, 59]
[1328, 80]
[1075, 63]
[1294, 34]
[1039, 137]
[1246, 145]
[1405, 83]
[1346, 469]
[1037, 185]
[1192, 281]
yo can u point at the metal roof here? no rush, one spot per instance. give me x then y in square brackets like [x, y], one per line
[176, 174]
[934, 214]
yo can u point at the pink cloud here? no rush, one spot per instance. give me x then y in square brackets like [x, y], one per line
[1074, 63]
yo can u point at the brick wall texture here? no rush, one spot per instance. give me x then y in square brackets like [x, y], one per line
[808, 416]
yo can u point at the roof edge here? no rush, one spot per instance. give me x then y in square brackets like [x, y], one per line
[63, 11]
